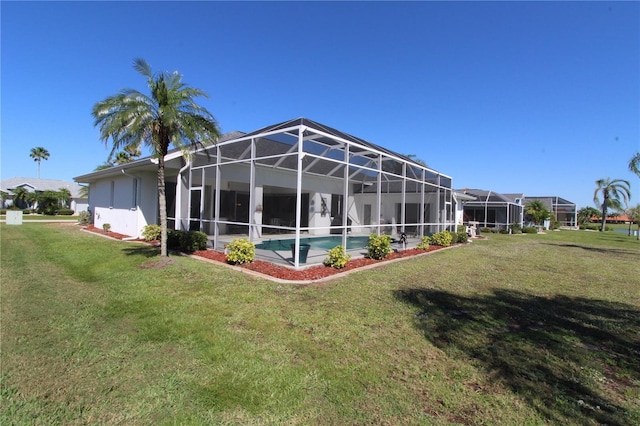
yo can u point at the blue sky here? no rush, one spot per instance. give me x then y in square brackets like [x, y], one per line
[541, 98]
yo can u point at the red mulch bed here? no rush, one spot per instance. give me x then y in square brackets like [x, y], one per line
[115, 235]
[312, 272]
[282, 272]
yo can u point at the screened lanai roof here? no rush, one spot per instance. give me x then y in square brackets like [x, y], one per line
[276, 146]
[483, 196]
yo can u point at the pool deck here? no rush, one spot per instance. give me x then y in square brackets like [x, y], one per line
[315, 256]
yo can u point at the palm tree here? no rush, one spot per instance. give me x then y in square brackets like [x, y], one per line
[38, 154]
[634, 164]
[122, 158]
[538, 211]
[168, 116]
[614, 192]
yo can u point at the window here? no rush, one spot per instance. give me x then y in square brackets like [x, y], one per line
[135, 193]
[112, 194]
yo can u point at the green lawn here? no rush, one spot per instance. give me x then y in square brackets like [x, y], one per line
[40, 217]
[515, 330]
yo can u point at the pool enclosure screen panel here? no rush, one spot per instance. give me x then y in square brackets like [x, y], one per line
[301, 177]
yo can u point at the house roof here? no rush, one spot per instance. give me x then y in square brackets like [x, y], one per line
[276, 144]
[484, 196]
[39, 185]
[551, 200]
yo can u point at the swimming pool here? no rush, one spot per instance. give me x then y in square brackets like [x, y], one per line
[317, 243]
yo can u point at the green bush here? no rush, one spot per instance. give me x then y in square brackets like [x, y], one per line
[84, 218]
[151, 232]
[442, 238]
[106, 227]
[424, 244]
[515, 228]
[65, 212]
[337, 258]
[530, 230]
[485, 230]
[192, 241]
[462, 237]
[454, 237]
[554, 224]
[173, 239]
[379, 246]
[241, 250]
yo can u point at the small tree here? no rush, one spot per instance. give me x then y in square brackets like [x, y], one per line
[585, 215]
[538, 211]
[634, 217]
[64, 196]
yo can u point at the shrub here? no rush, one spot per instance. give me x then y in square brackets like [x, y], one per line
[462, 236]
[442, 238]
[192, 241]
[485, 230]
[84, 218]
[504, 230]
[424, 244]
[337, 258]
[515, 228]
[379, 246]
[151, 232]
[3, 211]
[530, 230]
[241, 250]
[106, 227]
[454, 237]
[65, 212]
[173, 239]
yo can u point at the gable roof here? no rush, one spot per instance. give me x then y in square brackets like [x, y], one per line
[39, 185]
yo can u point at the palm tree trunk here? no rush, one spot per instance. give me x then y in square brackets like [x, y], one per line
[604, 211]
[38, 169]
[162, 207]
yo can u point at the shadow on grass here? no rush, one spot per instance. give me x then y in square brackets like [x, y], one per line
[146, 251]
[572, 359]
[604, 250]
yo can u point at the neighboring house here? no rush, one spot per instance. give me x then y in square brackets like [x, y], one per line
[294, 177]
[77, 203]
[491, 209]
[459, 200]
[563, 211]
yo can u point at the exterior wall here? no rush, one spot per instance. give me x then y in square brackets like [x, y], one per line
[79, 204]
[127, 203]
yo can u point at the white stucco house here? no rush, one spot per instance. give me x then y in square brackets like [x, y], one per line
[77, 203]
[298, 177]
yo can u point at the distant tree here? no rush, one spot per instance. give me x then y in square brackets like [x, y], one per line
[167, 116]
[614, 192]
[415, 158]
[538, 211]
[634, 164]
[585, 215]
[84, 191]
[122, 158]
[21, 198]
[38, 154]
[48, 202]
[634, 216]
[64, 196]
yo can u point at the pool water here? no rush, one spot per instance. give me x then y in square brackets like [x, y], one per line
[317, 243]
